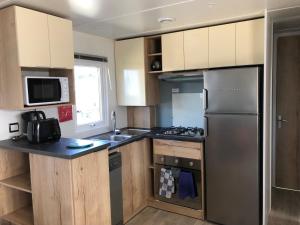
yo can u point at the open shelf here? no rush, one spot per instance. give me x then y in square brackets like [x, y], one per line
[20, 182]
[23, 216]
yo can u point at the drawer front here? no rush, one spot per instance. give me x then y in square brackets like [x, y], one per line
[182, 149]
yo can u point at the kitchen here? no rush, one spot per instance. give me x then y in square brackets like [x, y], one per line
[172, 123]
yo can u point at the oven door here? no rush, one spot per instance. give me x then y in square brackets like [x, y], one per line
[194, 203]
[42, 90]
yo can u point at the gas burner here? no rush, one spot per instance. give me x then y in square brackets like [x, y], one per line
[182, 131]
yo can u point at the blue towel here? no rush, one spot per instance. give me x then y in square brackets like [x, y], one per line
[186, 186]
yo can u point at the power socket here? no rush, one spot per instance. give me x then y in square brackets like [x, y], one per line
[14, 127]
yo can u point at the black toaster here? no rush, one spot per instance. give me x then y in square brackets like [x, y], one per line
[40, 131]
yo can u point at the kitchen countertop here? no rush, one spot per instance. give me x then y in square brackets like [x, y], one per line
[153, 133]
[57, 149]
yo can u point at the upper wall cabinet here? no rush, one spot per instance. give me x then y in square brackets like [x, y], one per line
[32, 41]
[130, 72]
[250, 42]
[32, 38]
[61, 42]
[43, 41]
[172, 51]
[196, 49]
[222, 45]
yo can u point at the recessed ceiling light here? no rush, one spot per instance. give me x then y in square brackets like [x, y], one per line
[166, 19]
[211, 4]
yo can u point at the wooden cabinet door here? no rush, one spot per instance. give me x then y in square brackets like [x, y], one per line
[196, 49]
[172, 51]
[138, 176]
[250, 42]
[222, 46]
[127, 183]
[133, 179]
[32, 38]
[130, 72]
[61, 42]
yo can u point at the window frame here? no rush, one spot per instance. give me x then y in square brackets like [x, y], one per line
[104, 124]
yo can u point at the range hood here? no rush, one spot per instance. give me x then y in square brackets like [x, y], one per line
[182, 76]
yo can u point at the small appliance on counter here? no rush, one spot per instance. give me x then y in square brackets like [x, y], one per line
[38, 129]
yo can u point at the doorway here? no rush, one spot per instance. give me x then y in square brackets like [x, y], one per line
[287, 113]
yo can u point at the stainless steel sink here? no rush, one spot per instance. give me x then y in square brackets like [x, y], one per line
[120, 137]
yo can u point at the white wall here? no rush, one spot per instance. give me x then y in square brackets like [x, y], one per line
[88, 44]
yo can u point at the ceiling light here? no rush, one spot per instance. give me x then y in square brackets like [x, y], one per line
[166, 19]
[211, 4]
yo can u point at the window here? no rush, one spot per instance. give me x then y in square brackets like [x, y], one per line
[91, 94]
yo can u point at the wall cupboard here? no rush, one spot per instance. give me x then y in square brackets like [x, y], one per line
[196, 49]
[172, 51]
[222, 46]
[43, 41]
[31, 40]
[234, 44]
[135, 87]
[250, 42]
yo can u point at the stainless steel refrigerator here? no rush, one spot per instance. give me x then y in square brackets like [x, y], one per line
[233, 145]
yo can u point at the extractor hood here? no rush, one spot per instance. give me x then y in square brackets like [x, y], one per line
[182, 76]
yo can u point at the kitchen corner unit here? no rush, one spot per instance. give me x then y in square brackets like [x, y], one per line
[44, 187]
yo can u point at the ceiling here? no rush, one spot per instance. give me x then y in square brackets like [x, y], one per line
[127, 18]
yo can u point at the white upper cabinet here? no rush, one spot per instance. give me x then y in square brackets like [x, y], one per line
[250, 42]
[196, 49]
[130, 72]
[32, 38]
[61, 42]
[43, 41]
[172, 51]
[222, 45]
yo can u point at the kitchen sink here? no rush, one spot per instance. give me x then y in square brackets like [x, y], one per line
[120, 137]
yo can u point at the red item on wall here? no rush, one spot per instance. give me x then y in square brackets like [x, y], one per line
[65, 113]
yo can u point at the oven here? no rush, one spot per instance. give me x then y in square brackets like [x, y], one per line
[179, 166]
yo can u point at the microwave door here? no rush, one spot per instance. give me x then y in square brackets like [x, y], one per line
[44, 90]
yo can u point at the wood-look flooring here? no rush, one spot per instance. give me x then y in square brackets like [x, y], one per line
[151, 216]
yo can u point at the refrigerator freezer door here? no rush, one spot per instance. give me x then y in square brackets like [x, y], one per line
[232, 169]
[232, 90]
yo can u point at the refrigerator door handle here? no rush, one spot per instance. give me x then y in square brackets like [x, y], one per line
[205, 126]
[204, 99]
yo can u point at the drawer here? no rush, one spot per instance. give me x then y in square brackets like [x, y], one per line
[182, 149]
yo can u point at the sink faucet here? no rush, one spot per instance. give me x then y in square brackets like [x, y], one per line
[114, 120]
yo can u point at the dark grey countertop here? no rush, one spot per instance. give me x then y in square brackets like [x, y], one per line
[153, 133]
[57, 149]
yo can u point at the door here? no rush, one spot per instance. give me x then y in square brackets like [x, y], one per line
[232, 169]
[287, 160]
[250, 42]
[130, 72]
[196, 49]
[222, 46]
[232, 90]
[61, 42]
[172, 51]
[32, 38]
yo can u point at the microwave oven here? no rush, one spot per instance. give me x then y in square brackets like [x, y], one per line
[45, 90]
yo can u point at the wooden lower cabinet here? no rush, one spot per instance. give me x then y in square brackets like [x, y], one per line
[71, 192]
[135, 175]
